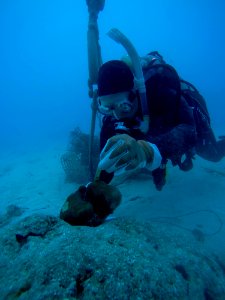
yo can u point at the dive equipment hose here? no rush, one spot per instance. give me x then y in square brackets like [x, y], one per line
[139, 81]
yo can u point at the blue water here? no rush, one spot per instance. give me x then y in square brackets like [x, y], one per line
[44, 95]
[43, 58]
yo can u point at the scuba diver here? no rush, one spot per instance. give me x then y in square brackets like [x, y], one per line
[150, 116]
[179, 121]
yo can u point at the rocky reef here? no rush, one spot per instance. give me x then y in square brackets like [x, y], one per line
[42, 257]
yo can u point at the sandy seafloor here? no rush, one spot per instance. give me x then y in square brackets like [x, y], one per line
[33, 178]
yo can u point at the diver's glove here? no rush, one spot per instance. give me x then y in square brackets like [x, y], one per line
[123, 153]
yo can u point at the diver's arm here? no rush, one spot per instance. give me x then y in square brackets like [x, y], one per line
[176, 142]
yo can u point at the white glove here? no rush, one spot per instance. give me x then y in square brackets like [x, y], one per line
[123, 153]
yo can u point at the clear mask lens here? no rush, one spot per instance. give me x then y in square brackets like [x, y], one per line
[114, 105]
[105, 110]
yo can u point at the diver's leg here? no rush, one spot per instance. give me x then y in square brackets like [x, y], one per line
[210, 149]
[220, 145]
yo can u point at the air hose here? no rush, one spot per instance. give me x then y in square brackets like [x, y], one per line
[139, 81]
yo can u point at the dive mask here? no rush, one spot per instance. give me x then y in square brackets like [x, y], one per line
[117, 105]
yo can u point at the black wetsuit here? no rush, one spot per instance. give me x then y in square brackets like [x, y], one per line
[206, 144]
[209, 148]
[172, 126]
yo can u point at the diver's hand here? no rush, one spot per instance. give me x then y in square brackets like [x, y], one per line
[123, 153]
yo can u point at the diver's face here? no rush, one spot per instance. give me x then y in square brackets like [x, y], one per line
[117, 105]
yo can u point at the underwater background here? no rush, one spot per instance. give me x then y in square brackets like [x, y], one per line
[43, 58]
[158, 245]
